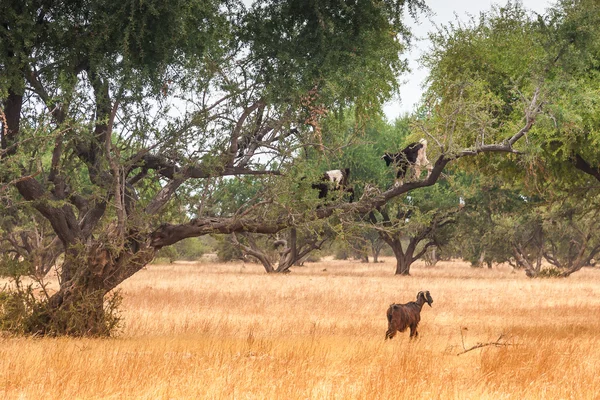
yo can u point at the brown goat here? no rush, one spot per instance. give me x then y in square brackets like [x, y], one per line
[402, 316]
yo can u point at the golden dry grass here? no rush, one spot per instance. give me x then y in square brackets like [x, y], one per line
[229, 331]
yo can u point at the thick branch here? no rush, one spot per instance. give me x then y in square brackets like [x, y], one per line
[520, 257]
[11, 121]
[255, 252]
[584, 166]
[171, 170]
[168, 234]
[422, 252]
[237, 131]
[62, 219]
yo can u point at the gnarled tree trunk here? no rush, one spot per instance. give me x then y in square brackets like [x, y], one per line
[404, 259]
[88, 274]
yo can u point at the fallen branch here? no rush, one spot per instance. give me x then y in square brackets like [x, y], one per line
[497, 343]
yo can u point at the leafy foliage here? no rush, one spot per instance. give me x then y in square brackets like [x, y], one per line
[120, 120]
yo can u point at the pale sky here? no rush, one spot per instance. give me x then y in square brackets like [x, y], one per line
[444, 11]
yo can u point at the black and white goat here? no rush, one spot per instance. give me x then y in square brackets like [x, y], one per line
[402, 316]
[414, 154]
[336, 179]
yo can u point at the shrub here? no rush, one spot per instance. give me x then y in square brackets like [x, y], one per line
[25, 310]
[190, 249]
[226, 250]
[549, 272]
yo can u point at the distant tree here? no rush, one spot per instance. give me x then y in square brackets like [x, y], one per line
[564, 235]
[416, 223]
[571, 238]
[28, 239]
[482, 73]
[486, 201]
[278, 255]
[500, 224]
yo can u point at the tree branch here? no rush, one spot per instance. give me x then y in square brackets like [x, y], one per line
[168, 234]
[422, 252]
[254, 251]
[584, 166]
[171, 170]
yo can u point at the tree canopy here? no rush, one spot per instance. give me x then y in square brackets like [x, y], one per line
[116, 115]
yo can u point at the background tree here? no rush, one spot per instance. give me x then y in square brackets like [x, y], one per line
[27, 239]
[571, 235]
[490, 207]
[483, 72]
[279, 254]
[410, 226]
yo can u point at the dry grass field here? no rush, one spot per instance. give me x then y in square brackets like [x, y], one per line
[229, 331]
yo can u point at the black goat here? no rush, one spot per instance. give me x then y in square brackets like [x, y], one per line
[336, 177]
[402, 316]
[413, 154]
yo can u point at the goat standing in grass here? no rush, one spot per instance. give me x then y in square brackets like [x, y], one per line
[402, 316]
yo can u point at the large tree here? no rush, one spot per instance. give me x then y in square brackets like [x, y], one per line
[112, 111]
[483, 71]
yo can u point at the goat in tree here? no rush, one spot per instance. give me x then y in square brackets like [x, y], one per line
[335, 179]
[415, 154]
[402, 316]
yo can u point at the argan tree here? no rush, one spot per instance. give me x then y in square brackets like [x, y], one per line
[491, 207]
[413, 224]
[481, 72]
[115, 114]
[27, 239]
[278, 255]
[551, 239]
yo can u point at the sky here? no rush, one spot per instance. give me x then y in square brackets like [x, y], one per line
[443, 11]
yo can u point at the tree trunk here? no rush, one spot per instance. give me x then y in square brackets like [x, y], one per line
[294, 246]
[403, 260]
[376, 251]
[530, 270]
[403, 265]
[577, 265]
[88, 274]
[76, 309]
[430, 257]
[11, 123]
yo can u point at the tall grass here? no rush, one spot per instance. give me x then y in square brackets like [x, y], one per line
[229, 331]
